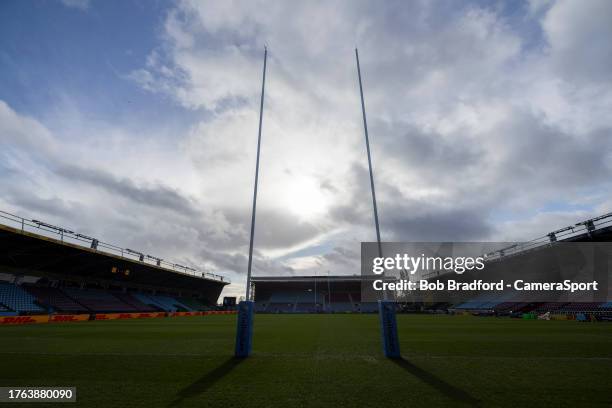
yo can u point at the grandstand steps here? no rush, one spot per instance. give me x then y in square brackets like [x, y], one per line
[98, 300]
[78, 303]
[137, 304]
[54, 299]
[166, 303]
[193, 303]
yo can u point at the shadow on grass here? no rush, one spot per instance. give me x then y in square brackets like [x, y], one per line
[207, 380]
[439, 384]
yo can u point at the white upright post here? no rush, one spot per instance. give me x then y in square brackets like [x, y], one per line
[386, 308]
[246, 308]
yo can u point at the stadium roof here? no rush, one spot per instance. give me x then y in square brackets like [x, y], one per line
[586, 231]
[315, 278]
[47, 231]
[593, 229]
[29, 253]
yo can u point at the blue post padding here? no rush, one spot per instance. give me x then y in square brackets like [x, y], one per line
[244, 331]
[388, 328]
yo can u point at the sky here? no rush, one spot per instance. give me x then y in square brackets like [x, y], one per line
[136, 122]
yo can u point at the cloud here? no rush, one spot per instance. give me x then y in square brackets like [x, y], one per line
[23, 131]
[84, 190]
[77, 4]
[457, 128]
[579, 38]
[479, 120]
[159, 196]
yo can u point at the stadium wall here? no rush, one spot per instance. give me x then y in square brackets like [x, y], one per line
[37, 319]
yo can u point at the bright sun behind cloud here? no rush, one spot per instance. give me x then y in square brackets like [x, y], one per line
[304, 197]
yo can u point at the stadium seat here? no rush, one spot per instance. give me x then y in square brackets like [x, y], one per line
[166, 303]
[55, 299]
[284, 297]
[368, 307]
[261, 306]
[305, 302]
[549, 307]
[341, 307]
[172, 303]
[606, 306]
[283, 302]
[98, 300]
[14, 298]
[340, 298]
[136, 303]
[192, 303]
[281, 307]
[580, 307]
[512, 307]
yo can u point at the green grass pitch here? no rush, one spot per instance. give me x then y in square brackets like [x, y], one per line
[315, 361]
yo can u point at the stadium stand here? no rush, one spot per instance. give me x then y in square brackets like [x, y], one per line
[305, 303]
[99, 300]
[55, 300]
[340, 298]
[341, 307]
[47, 258]
[192, 303]
[549, 307]
[581, 307]
[305, 308]
[31, 298]
[136, 303]
[284, 297]
[282, 302]
[173, 303]
[50, 261]
[166, 303]
[14, 298]
[261, 307]
[505, 308]
[281, 307]
[338, 303]
[310, 294]
[477, 305]
[368, 307]
[513, 307]
[487, 301]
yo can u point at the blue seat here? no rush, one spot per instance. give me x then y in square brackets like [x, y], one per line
[16, 299]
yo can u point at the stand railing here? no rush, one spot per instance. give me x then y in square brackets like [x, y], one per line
[69, 236]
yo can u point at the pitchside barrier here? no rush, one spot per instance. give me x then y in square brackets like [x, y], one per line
[68, 318]
[24, 319]
[117, 316]
[17, 320]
